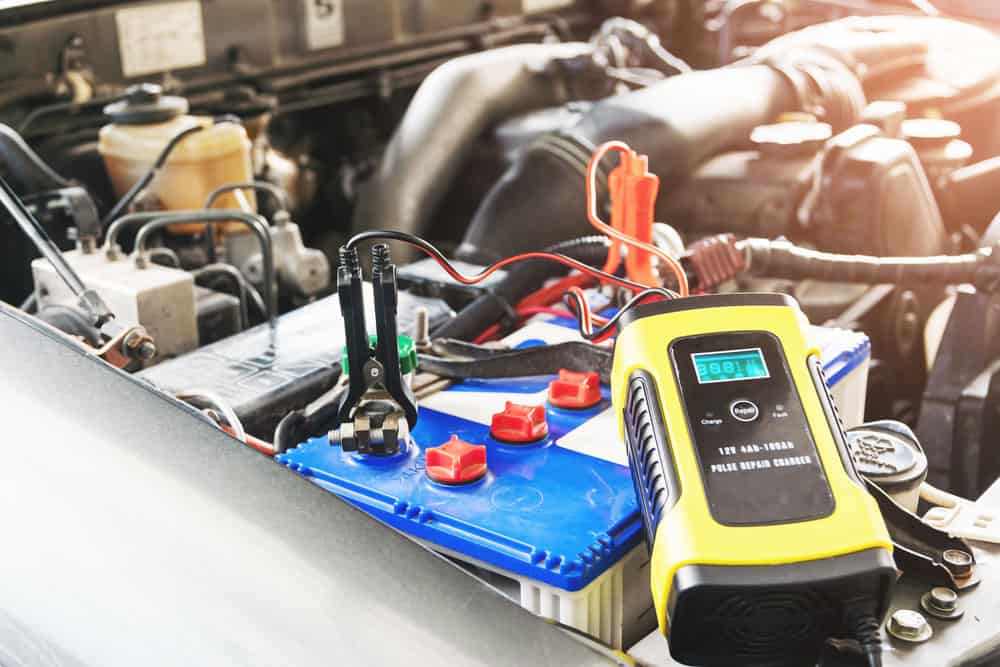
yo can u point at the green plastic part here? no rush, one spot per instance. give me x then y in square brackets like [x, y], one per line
[407, 354]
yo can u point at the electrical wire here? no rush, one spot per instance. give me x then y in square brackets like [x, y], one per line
[576, 298]
[583, 311]
[489, 333]
[438, 256]
[530, 311]
[608, 230]
[252, 442]
[199, 397]
[583, 314]
[551, 293]
[585, 319]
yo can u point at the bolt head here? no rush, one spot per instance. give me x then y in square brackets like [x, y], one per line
[147, 350]
[941, 602]
[945, 598]
[958, 561]
[909, 626]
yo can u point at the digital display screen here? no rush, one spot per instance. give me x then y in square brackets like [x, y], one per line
[730, 365]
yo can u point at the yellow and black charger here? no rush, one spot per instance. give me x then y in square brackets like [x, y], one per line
[763, 539]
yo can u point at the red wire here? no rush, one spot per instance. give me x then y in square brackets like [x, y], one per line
[562, 259]
[586, 318]
[557, 312]
[608, 230]
[254, 443]
[528, 311]
[488, 334]
[554, 292]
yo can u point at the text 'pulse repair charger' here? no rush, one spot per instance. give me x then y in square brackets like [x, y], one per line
[763, 539]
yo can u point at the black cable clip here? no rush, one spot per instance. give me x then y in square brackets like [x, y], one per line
[378, 409]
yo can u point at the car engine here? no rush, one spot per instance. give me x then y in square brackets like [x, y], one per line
[402, 249]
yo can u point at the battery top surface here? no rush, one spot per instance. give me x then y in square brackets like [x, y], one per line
[543, 511]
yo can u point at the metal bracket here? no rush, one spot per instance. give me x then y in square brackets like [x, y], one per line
[924, 552]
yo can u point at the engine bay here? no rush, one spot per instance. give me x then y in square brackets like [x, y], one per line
[671, 320]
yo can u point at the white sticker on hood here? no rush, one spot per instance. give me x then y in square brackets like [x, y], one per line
[534, 6]
[324, 23]
[161, 37]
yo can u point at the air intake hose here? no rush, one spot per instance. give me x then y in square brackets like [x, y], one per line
[679, 123]
[454, 105]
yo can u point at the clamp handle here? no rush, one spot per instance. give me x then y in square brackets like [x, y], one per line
[387, 331]
[352, 310]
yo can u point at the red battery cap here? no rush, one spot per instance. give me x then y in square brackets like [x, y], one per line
[456, 462]
[519, 423]
[575, 390]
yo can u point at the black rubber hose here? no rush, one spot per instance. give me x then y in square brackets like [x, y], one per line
[521, 280]
[23, 165]
[678, 123]
[780, 259]
[454, 105]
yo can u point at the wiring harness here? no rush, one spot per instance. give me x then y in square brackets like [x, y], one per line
[717, 259]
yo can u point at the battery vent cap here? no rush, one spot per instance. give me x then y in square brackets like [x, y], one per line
[576, 391]
[456, 462]
[519, 424]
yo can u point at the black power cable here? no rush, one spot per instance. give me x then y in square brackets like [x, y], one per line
[864, 625]
[437, 255]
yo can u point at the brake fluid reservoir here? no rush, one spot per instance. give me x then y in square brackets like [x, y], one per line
[142, 125]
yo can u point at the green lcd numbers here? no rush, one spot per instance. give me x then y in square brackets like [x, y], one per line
[730, 365]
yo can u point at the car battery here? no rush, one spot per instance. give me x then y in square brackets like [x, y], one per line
[553, 523]
[846, 357]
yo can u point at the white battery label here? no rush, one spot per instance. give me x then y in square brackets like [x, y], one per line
[324, 23]
[535, 6]
[161, 37]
